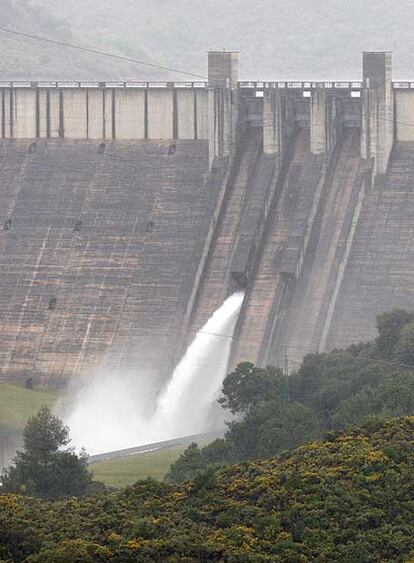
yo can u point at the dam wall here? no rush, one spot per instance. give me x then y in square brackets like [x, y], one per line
[100, 253]
[131, 210]
[380, 274]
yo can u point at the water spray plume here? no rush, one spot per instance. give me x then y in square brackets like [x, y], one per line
[119, 410]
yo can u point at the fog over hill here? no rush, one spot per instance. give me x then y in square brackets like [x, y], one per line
[278, 38]
[26, 59]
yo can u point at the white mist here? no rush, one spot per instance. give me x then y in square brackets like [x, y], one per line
[116, 411]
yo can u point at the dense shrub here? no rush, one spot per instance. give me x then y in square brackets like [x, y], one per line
[348, 498]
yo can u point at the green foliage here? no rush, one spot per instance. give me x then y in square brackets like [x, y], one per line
[389, 326]
[44, 434]
[329, 391]
[404, 348]
[205, 481]
[348, 498]
[188, 466]
[43, 468]
[249, 385]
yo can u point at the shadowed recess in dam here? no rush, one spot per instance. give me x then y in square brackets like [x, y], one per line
[115, 411]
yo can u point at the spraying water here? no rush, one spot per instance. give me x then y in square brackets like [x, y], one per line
[196, 382]
[116, 411]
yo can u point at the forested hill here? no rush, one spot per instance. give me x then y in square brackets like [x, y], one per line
[278, 39]
[346, 499]
[25, 59]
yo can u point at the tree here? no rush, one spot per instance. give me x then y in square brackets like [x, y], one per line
[271, 427]
[43, 468]
[188, 466]
[404, 348]
[389, 326]
[249, 385]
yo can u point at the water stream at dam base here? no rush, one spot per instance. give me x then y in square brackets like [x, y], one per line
[112, 411]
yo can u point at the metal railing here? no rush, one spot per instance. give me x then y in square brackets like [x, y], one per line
[258, 85]
[101, 85]
[406, 85]
[303, 85]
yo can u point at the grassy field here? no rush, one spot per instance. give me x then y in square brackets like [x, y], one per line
[125, 471]
[17, 403]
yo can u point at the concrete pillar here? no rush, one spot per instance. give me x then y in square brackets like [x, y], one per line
[202, 115]
[223, 76]
[377, 109]
[223, 68]
[273, 121]
[7, 113]
[318, 124]
[186, 122]
[55, 113]
[24, 113]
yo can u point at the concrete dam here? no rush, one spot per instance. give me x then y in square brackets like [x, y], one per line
[131, 210]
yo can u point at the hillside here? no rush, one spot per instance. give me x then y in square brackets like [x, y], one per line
[282, 39]
[348, 498]
[25, 59]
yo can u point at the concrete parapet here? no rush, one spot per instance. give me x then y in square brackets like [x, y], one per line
[105, 113]
[164, 113]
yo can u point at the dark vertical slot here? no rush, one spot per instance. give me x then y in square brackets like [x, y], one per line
[394, 122]
[103, 114]
[61, 115]
[11, 113]
[48, 114]
[220, 124]
[3, 115]
[175, 115]
[37, 113]
[146, 114]
[113, 115]
[87, 114]
[215, 116]
[195, 115]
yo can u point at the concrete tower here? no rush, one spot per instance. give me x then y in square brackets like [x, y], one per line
[223, 68]
[377, 109]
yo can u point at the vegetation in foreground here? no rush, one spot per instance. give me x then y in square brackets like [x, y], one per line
[44, 467]
[329, 392]
[349, 498]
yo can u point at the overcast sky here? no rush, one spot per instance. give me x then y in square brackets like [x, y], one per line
[278, 39]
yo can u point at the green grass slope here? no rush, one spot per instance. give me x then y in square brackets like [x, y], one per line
[17, 404]
[124, 471]
[349, 498]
